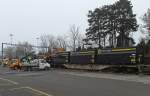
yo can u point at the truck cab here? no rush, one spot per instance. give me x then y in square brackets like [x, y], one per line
[41, 64]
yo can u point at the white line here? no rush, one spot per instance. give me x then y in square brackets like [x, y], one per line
[38, 92]
[13, 82]
[19, 88]
[29, 74]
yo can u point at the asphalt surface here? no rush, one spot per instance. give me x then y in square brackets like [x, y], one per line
[71, 83]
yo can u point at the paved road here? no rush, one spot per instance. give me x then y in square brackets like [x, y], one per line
[66, 83]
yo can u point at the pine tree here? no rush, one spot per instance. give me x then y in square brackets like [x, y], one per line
[126, 21]
[115, 22]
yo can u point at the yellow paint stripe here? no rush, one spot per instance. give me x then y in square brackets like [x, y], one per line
[35, 91]
[10, 81]
[128, 49]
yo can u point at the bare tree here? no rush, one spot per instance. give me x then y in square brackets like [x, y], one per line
[48, 41]
[80, 40]
[62, 42]
[44, 42]
[74, 36]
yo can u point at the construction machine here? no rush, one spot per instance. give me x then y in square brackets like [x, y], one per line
[15, 64]
[29, 63]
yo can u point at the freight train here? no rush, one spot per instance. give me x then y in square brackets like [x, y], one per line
[114, 56]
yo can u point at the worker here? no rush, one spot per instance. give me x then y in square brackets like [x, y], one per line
[140, 59]
[18, 64]
[29, 60]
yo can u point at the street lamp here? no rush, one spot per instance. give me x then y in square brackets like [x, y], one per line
[37, 43]
[37, 40]
[11, 38]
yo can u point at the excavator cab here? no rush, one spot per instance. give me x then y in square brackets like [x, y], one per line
[15, 64]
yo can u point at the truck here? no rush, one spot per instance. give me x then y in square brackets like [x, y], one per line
[29, 64]
[39, 64]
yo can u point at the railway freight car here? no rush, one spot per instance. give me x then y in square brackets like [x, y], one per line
[98, 58]
[84, 57]
[81, 60]
[146, 60]
[60, 58]
[121, 56]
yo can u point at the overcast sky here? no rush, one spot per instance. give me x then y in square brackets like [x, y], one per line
[28, 19]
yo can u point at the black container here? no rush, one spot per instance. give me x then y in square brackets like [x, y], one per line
[61, 58]
[147, 60]
[86, 57]
[115, 56]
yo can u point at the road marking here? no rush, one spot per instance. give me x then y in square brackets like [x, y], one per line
[29, 74]
[35, 91]
[19, 88]
[10, 81]
[38, 91]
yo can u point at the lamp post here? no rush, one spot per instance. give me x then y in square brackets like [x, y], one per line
[37, 41]
[11, 38]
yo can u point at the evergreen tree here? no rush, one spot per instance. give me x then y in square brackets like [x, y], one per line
[115, 21]
[97, 25]
[126, 21]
